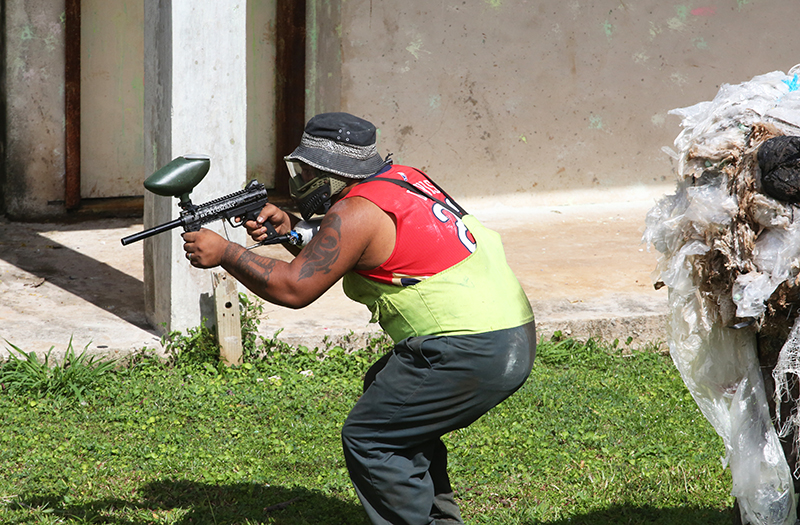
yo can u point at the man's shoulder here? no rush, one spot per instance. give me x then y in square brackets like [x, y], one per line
[354, 206]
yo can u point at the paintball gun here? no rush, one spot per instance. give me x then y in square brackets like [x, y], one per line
[178, 179]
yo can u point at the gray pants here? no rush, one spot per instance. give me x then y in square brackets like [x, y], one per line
[427, 386]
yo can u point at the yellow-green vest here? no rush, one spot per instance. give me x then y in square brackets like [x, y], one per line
[480, 294]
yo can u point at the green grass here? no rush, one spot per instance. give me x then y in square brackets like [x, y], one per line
[596, 436]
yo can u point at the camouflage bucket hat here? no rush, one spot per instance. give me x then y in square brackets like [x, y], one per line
[339, 143]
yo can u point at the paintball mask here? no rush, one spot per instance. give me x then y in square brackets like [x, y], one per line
[312, 190]
[341, 147]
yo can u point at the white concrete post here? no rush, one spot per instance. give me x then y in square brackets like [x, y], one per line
[195, 102]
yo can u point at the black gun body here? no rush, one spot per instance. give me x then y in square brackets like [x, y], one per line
[244, 205]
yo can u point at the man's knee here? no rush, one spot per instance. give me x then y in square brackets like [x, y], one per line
[354, 441]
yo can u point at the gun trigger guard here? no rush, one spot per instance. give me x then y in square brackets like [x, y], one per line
[234, 224]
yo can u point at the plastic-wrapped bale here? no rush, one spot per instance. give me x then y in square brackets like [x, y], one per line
[729, 255]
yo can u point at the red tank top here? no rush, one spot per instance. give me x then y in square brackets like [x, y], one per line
[430, 237]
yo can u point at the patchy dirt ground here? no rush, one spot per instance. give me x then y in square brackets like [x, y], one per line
[60, 282]
[585, 270]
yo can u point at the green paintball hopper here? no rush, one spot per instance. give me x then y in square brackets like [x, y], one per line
[179, 177]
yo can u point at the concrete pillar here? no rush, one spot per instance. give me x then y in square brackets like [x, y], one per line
[195, 102]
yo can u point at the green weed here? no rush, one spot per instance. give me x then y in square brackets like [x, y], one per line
[250, 310]
[25, 374]
[198, 346]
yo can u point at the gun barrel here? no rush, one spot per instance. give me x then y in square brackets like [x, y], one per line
[152, 231]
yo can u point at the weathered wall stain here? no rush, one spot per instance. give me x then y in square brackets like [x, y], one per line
[415, 47]
[704, 11]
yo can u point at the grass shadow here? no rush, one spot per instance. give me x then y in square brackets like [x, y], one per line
[201, 503]
[648, 515]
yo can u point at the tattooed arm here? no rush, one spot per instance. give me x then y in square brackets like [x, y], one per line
[355, 234]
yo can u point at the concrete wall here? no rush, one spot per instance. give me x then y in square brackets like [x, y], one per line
[112, 94]
[34, 92]
[547, 101]
[261, 91]
[504, 101]
[112, 98]
[323, 57]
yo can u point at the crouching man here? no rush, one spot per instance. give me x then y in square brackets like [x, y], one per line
[434, 278]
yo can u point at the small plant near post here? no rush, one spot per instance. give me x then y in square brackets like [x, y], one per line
[203, 344]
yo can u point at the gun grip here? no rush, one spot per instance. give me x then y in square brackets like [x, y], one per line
[271, 232]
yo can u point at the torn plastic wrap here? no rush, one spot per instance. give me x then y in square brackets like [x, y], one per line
[787, 375]
[724, 248]
[761, 480]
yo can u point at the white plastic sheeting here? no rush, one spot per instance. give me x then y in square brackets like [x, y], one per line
[725, 247]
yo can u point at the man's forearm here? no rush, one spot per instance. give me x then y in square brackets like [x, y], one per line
[257, 274]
